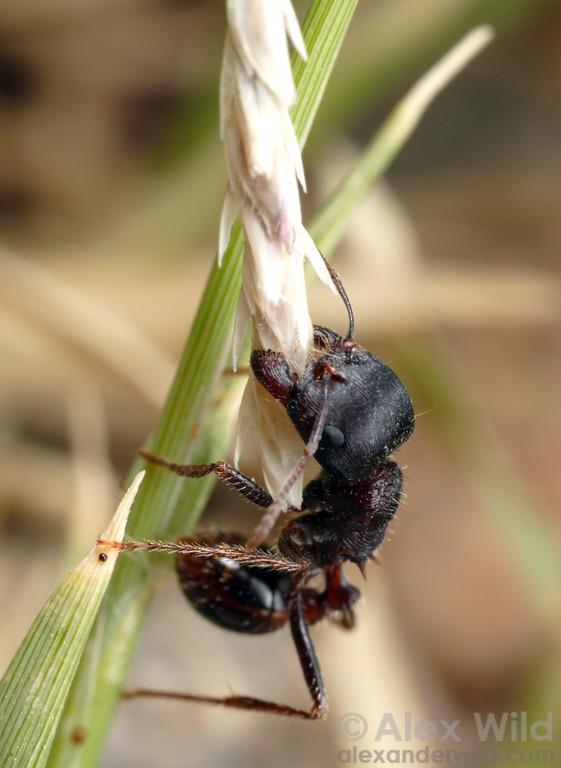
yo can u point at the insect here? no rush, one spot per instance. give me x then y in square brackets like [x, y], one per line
[352, 412]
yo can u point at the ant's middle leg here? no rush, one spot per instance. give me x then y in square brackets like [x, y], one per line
[229, 475]
[198, 547]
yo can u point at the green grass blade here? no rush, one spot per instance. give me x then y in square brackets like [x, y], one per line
[177, 433]
[36, 684]
[396, 130]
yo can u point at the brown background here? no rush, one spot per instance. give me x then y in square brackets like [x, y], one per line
[111, 181]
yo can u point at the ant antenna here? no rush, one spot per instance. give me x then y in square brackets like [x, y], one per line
[343, 294]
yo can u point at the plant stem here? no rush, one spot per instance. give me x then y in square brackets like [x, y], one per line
[121, 616]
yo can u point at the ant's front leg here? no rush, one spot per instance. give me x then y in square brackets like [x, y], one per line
[271, 370]
[229, 475]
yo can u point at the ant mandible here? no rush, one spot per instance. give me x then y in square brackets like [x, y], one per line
[352, 411]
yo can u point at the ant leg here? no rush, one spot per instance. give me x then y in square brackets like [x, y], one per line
[231, 476]
[310, 667]
[235, 702]
[258, 558]
[274, 510]
[308, 660]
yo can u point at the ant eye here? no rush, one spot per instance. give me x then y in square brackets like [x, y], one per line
[333, 436]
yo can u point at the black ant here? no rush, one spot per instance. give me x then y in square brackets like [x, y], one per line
[352, 411]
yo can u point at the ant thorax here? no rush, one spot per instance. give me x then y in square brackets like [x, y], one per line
[347, 521]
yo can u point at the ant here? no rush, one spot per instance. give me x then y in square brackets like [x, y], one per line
[352, 412]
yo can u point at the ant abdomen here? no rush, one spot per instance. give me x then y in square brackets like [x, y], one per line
[237, 597]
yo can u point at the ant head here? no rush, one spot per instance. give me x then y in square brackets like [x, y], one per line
[369, 413]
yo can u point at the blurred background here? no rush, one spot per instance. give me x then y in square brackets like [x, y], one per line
[111, 183]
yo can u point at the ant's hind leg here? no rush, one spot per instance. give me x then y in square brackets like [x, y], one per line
[310, 667]
[308, 660]
[234, 702]
[229, 475]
